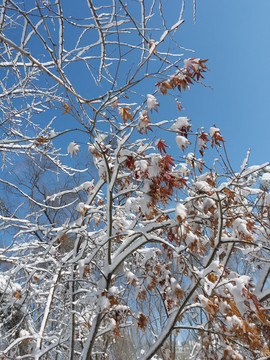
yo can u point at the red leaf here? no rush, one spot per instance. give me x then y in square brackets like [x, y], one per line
[179, 106]
[130, 162]
[203, 139]
[161, 146]
[216, 139]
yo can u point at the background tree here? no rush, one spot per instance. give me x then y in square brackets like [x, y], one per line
[130, 239]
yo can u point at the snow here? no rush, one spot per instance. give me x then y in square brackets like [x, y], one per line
[240, 228]
[236, 288]
[265, 180]
[154, 168]
[152, 102]
[131, 205]
[180, 122]
[143, 122]
[131, 277]
[213, 267]
[24, 333]
[81, 207]
[7, 286]
[180, 212]
[208, 204]
[103, 302]
[182, 169]
[202, 187]
[182, 142]
[73, 148]
[253, 169]
[141, 166]
[213, 130]
[191, 62]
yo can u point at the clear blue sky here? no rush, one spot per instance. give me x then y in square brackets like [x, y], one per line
[235, 36]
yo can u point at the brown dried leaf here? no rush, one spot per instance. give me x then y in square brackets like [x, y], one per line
[67, 108]
[212, 277]
[112, 300]
[142, 321]
[63, 238]
[41, 141]
[125, 113]
[17, 294]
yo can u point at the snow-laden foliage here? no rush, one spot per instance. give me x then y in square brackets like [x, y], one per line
[115, 242]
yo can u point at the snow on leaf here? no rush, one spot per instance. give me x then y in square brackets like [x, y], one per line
[180, 213]
[195, 67]
[181, 125]
[144, 121]
[182, 142]
[265, 180]
[216, 136]
[152, 102]
[202, 140]
[163, 86]
[73, 148]
[202, 187]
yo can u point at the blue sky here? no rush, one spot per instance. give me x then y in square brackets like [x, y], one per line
[235, 37]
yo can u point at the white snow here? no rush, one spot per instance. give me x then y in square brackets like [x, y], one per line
[73, 148]
[180, 212]
[182, 142]
[180, 122]
[213, 130]
[152, 102]
[265, 180]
